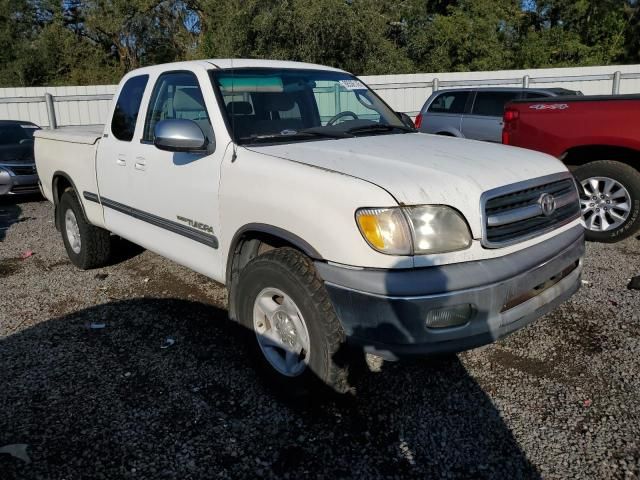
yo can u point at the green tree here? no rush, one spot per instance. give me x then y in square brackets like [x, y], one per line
[16, 28]
[137, 32]
[631, 36]
[572, 32]
[468, 35]
[96, 41]
[352, 35]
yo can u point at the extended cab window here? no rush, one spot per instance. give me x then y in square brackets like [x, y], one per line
[491, 104]
[177, 95]
[449, 102]
[125, 116]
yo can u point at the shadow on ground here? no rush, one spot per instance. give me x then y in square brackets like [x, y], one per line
[111, 403]
[9, 214]
[122, 250]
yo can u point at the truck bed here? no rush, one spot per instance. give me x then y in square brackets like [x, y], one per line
[66, 156]
[87, 135]
[557, 125]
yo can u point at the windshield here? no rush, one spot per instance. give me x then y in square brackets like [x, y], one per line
[14, 135]
[271, 105]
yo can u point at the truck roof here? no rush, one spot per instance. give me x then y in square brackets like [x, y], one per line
[580, 98]
[504, 89]
[226, 63]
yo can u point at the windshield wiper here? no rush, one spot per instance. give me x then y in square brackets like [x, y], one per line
[378, 127]
[295, 134]
[326, 132]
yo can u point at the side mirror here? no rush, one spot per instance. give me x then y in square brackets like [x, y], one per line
[179, 135]
[406, 119]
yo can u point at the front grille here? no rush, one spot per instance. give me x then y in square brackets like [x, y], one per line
[23, 170]
[518, 215]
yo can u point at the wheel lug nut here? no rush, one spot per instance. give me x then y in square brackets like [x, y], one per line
[608, 201]
[602, 196]
[594, 198]
[597, 210]
[592, 204]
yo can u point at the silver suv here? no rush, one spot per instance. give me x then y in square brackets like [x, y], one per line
[475, 113]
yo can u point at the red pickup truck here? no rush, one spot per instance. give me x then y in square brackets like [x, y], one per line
[598, 138]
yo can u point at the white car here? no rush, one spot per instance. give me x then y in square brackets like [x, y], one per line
[331, 221]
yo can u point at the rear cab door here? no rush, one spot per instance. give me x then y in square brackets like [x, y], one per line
[114, 157]
[484, 121]
[444, 113]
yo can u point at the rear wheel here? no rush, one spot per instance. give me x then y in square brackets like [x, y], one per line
[610, 200]
[87, 246]
[294, 333]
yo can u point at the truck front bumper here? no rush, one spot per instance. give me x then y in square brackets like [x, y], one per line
[12, 184]
[387, 311]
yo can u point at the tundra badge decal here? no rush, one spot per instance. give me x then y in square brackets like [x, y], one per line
[194, 224]
[549, 106]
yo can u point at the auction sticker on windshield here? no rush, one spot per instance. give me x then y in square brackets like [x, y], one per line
[352, 85]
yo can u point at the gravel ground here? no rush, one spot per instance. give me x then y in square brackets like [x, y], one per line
[559, 399]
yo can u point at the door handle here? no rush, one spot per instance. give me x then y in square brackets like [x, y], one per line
[122, 160]
[141, 163]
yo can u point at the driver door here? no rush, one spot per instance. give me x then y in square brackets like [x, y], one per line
[176, 193]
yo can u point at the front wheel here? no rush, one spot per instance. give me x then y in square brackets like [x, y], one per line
[610, 200]
[293, 330]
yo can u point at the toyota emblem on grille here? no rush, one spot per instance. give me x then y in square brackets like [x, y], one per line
[547, 203]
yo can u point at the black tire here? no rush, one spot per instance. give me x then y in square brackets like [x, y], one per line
[95, 242]
[294, 274]
[626, 176]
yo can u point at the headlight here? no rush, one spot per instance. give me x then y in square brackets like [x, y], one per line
[437, 229]
[5, 181]
[413, 230]
[385, 229]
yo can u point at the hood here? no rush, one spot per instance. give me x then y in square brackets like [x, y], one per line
[17, 154]
[424, 169]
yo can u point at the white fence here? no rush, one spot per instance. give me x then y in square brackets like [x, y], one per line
[405, 93]
[73, 105]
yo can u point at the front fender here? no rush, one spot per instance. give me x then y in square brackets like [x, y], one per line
[308, 206]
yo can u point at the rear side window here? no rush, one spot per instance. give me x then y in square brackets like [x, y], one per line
[492, 104]
[449, 102]
[123, 123]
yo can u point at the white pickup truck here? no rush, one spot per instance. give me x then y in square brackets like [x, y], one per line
[331, 221]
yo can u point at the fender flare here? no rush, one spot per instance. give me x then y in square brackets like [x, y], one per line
[273, 231]
[54, 191]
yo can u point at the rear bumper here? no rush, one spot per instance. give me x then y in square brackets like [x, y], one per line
[384, 311]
